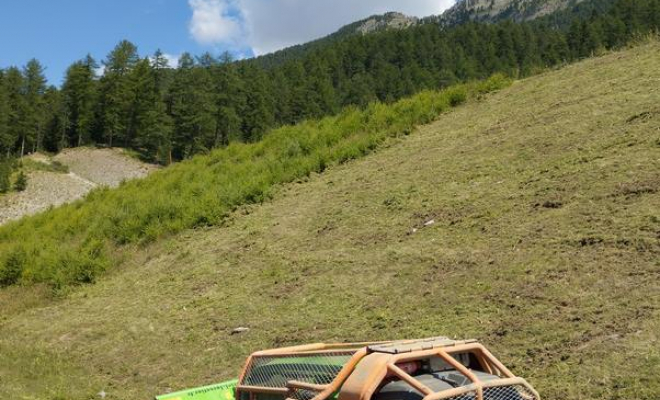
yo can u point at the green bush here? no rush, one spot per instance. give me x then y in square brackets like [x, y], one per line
[21, 182]
[5, 174]
[12, 267]
[71, 244]
[457, 96]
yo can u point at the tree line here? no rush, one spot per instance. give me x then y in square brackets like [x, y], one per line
[169, 114]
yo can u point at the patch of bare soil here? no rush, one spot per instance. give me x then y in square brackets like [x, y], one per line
[107, 167]
[88, 168]
[44, 189]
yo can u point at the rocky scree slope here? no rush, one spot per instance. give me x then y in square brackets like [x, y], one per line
[88, 168]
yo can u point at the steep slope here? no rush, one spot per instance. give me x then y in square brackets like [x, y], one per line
[529, 221]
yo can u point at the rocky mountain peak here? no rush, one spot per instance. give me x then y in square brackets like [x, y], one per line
[497, 10]
[391, 20]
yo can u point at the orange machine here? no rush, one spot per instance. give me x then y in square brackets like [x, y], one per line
[427, 369]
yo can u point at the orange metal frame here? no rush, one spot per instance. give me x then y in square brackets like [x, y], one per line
[360, 349]
[363, 374]
[486, 359]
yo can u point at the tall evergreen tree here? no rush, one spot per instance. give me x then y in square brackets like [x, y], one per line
[152, 126]
[6, 139]
[79, 90]
[54, 122]
[161, 67]
[229, 101]
[117, 95]
[17, 110]
[258, 115]
[34, 89]
[192, 108]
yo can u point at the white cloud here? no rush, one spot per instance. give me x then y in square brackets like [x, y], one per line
[172, 60]
[100, 71]
[215, 22]
[269, 25]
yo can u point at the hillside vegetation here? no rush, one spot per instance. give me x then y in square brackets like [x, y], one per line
[72, 244]
[528, 221]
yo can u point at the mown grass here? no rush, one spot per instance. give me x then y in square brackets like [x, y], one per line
[545, 247]
[74, 243]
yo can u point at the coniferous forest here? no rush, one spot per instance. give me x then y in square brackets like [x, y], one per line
[168, 114]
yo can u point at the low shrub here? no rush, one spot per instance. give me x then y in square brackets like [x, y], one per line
[12, 267]
[5, 175]
[21, 182]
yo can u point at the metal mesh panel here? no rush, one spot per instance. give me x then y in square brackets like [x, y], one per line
[302, 394]
[275, 371]
[517, 392]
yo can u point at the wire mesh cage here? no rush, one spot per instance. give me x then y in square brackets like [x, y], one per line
[516, 392]
[274, 371]
[466, 396]
[302, 394]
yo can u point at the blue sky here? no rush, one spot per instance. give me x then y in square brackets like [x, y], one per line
[58, 32]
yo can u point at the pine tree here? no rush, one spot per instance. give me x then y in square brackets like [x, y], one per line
[360, 91]
[6, 139]
[17, 110]
[54, 112]
[192, 107]
[207, 60]
[296, 105]
[162, 69]
[35, 86]
[259, 111]
[79, 90]
[229, 101]
[152, 126]
[320, 92]
[117, 94]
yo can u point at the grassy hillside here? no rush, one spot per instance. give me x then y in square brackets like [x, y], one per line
[73, 244]
[545, 245]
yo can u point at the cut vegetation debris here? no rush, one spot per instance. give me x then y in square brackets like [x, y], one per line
[73, 244]
[568, 296]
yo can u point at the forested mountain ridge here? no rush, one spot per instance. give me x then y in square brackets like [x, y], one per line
[370, 25]
[172, 114]
[558, 12]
